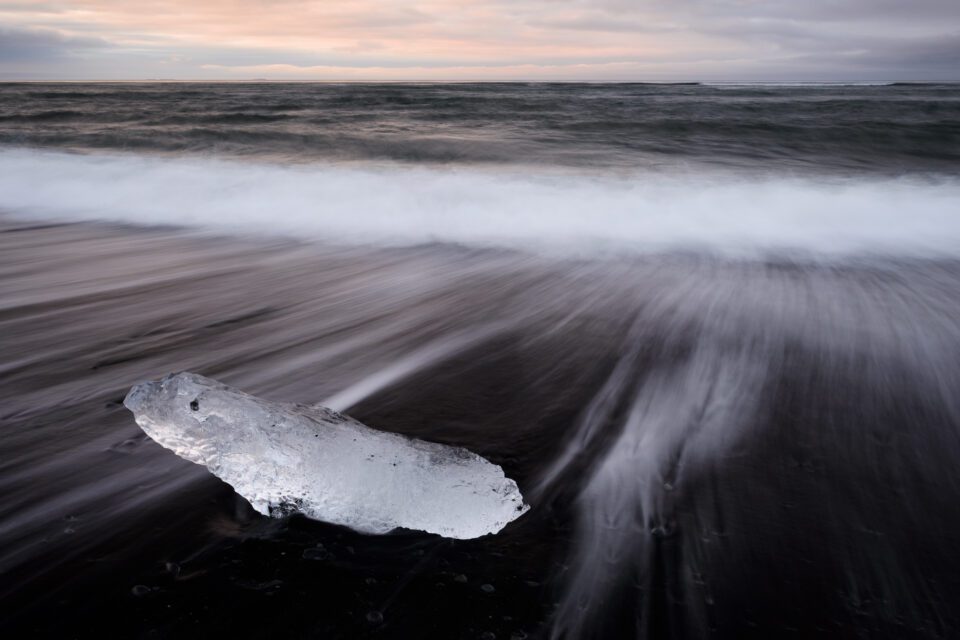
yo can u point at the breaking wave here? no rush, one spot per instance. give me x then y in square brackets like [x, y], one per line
[552, 210]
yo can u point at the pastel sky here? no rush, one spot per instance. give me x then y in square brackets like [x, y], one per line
[585, 40]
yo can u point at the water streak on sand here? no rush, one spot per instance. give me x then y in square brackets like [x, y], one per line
[704, 425]
[712, 332]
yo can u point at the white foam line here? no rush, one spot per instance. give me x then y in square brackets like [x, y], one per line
[419, 359]
[526, 209]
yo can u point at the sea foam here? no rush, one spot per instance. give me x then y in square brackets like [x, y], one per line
[519, 208]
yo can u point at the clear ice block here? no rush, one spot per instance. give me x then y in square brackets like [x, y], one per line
[287, 458]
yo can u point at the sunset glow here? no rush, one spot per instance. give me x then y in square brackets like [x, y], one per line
[653, 40]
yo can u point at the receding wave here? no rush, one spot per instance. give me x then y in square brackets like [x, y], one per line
[546, 210]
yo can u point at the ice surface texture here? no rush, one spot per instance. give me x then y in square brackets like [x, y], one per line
[287, 458]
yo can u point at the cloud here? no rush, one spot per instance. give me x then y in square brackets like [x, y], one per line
[910, 54]
[28, 6]
[20, 45]
[545, 39]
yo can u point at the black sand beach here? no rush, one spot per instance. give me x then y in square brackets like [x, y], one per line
[712, 447]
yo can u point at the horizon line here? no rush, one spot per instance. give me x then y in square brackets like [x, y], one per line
[486, 81]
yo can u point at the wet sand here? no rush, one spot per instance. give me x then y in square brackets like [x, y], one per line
[712, 447]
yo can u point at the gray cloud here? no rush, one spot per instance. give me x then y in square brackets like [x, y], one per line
[23, 45]
[940, 54]
[910, 39]
[29, 7]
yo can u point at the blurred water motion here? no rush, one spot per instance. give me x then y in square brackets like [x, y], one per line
[712, 446]
[711, 331]
[826, 129]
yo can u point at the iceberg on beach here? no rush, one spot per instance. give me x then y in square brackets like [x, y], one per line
[287, 458]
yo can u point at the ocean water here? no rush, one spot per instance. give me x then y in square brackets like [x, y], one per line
[826, 129]
[712, 331]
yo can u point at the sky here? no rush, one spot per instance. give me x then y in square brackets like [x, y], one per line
[476, 40]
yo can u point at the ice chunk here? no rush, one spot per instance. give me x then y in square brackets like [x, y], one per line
[285, 458]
